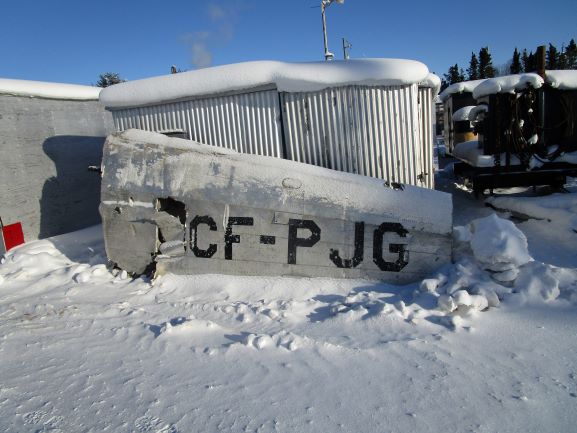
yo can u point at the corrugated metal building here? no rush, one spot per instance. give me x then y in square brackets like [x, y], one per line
[369, 117]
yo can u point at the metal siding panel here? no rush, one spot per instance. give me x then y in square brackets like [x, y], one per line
[375, 131]
[349, 123]
[427, 136]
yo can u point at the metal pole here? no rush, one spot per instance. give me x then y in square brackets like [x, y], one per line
[328, 55]
[346, 46]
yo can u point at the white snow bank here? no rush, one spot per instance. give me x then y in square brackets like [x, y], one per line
[498, 244]
[288, 77]
[493, 261]
[559, 209]
[507, 84]
[471, 153]
[40, 89]
[562, 79]
[462, 87]
[462, 114]
[217, 353]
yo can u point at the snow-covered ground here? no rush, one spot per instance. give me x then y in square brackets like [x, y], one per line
[484, 345]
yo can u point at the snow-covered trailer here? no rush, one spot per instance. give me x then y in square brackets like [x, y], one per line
[371, 117]
[185, 207]
[50, 133]
[527, 131]
[454, 98]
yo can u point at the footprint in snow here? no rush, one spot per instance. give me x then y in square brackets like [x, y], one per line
[49, 422]
[150, 424]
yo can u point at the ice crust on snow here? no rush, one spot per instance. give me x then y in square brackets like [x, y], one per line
[507, 84]
[47, 90]
[462, 114]
[287, 77]
[462, 87]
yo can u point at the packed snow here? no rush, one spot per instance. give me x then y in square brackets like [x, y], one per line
[507, 84]
[462, 87]
[562, 79]
[483, 345]
[47, 90]
[287, 77]
[472, 153]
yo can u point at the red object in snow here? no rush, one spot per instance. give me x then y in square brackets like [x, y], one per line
[12, 235]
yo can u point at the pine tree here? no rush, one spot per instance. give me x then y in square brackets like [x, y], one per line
[486, 69]
[571, 55]
[516, 67]
[444, 84]
[108, 79]
[461, 75]
[528, 61]
[562, 62]
[552, 57]
[473, 70]
[455, 75]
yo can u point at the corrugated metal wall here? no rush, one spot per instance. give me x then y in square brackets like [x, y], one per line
[247, 122]
[382, 132]
[373, 131]
[427, 121]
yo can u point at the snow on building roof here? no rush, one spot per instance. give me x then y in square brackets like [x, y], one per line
[41, 89]
[432, 81]
[463, 86]
[564, 80]
[507, 84]
[288, 77]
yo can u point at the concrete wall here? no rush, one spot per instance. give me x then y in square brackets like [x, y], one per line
[46, 146]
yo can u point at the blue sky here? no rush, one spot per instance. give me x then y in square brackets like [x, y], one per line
[75, 41]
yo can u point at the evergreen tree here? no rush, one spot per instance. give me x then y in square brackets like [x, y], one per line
[461, 75]
[552, 57]
[444, 84]
[516, 67]
[455, 75]
[571, 55]
[528, 61]
[473, 70]
[108, 79]
[562, 62]
[486, 69]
